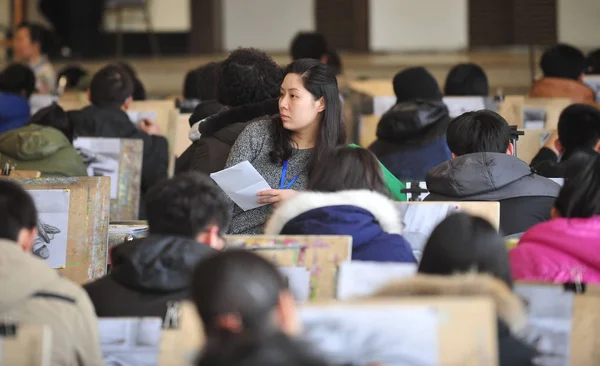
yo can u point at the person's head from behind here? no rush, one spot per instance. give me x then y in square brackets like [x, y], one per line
[201, 83]
[593, 63]
[139, 92]
[27, 43]
[54, 116]
[416, 83]
[563, 61]
[477, 132]
[111, 86]
[348, 168]
[310, 109]
[334, 61]
[17, 79]
[240, 293]
[18, 215]
[73, 75]
[466, 79]
[248, 76]
[309, 45]
[462, 244]
[578, 128]
[189, 205]
[580, 195]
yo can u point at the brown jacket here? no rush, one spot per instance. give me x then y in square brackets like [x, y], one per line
[550, 87]
[33, 293]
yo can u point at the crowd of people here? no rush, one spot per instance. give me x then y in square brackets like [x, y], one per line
[289, 124]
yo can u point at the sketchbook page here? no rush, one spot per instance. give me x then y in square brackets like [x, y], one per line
[359, 279]
[39, 101]
[241, 183]
[459, 105]
[534, 118]
[298, 280]
[550, 315]
[53, 222]
[364, 335]
[383, 104]
[136, 116]
[101, 157]
[594, 83]
[130, 341]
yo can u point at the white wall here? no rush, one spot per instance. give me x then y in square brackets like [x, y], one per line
[579, 22]
[418, 25]
[265, 24]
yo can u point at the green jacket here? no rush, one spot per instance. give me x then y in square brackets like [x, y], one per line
[393, 184]
[41, 148]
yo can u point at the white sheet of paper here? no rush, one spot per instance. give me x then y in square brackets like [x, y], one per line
[359, 279]
[101, 156]
[298, 282]
[39, 101]
[130, 341]
[241, 183]
[550, 312]
[559, 181]
[383, 104]
[137, 116]
[459, 105]
[421, 195]
[594, 83]
[53, 222]
[361, 335]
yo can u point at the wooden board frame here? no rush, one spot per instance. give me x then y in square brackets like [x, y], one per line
[127, 204]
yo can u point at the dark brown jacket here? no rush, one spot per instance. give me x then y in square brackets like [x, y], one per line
[563, 88]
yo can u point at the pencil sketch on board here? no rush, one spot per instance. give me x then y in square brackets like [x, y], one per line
[53, 222]
[534, 118]
[130, 341]
[101, 157]
[550, 311]
[362, 335]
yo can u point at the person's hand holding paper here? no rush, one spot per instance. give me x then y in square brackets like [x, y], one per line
[242, 183]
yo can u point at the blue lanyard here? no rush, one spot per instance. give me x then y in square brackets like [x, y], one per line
[283, 177]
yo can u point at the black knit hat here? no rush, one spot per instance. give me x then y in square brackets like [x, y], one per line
[416, 83]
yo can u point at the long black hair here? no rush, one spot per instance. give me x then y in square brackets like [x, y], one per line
[580, 195]
[321, 82]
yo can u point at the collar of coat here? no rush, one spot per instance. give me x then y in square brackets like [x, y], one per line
[509, 307]
[382, 208]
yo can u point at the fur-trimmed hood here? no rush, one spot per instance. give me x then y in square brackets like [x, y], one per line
[381, 207]
[509, 307]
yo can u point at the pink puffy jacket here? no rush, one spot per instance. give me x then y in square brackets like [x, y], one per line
[559, 250]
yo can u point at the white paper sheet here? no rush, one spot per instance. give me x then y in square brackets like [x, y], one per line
[136, 116]
[53, 222]
[360, 336]
[550, 312]
[383, 104]
[421, 196]
[101, 156]
[359, 279]
[298, 282]
[459, 105]
[241, 183]
[594, 83]
[39, 101]
[534, 118]
[130, 341]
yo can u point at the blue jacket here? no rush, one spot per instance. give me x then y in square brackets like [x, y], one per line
[14, 111]
[370, 218]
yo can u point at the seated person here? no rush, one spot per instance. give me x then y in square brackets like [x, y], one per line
[563, 67]
[465, 256]
[248, 78]
[248, 313]
[27, 47]
[466, 79]
[349, 197]
[309, 45]
[578, 128]
[110, 94]
[566, 248]
[74, 74]
[410, 136]
[483, 168]
[593, 63]
[139, 92]
[185, 217]
[45, 144]
[34, 293]
[200, 88]
[17, 83]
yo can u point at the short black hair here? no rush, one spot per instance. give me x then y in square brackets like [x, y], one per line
[17, 210]
[334, 61]
[111, 86]
[54, 116]
[579, 127]
[186, 205]
[580, 195]
[481, 131]
[74, 74]
[563, 61]
[36, 32]
[463, 243]
[308, 45]
[201, 83]
[467, 79]
[17, 79]
[593, 62]
[248, 76]
[139, 91]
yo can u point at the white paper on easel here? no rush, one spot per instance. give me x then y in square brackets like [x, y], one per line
[383, 104]
[241, 183]
[298, 279]
[359, 279]
[459, 105]
[101, 157]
